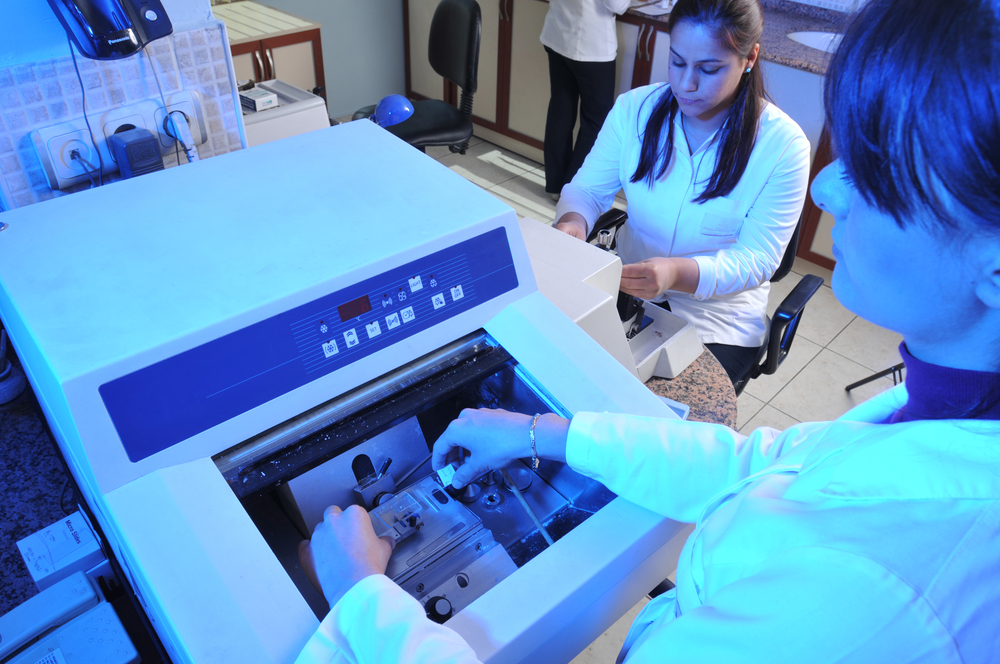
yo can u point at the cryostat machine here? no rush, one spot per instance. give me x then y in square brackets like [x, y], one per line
[225, 349]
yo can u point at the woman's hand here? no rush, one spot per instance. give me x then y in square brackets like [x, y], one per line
[651, 277]
[494, 439]
[572, 223]
[343, 550]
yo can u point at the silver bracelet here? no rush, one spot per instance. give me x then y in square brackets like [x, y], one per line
[531, 435]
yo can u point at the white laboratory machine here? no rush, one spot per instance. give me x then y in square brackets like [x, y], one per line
[218, 364]
[297, 112]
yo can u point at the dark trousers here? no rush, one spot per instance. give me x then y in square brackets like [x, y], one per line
[736, 360]
[589, 85]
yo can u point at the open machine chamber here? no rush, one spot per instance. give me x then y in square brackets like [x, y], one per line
[372, 446]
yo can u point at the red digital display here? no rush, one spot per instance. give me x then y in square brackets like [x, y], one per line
[354, 308]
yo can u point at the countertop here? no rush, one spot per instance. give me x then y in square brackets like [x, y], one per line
[249, 21]
[705, 387]
[780, 18]
[35, 490]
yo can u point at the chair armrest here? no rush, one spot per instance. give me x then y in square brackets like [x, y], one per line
[611, 219]
[786, 321]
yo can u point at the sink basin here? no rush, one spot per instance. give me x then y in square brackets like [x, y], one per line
[823, 41]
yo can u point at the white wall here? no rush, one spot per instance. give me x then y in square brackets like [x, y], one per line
[30, 31]
[362, 48]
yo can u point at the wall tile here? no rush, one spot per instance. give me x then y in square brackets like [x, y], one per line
[37, 95]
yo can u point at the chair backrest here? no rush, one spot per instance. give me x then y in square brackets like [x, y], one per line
[785, 266]
[454, 42]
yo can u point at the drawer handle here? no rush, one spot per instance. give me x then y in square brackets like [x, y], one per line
[270, 59]
[260, 66]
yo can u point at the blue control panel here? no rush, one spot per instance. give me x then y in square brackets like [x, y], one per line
[163, 404]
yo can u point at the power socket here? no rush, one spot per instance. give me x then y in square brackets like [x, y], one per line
[54, 144]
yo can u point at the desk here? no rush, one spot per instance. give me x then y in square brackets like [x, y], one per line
[705, 387]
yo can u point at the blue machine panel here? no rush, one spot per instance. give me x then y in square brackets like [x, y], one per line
[158, 406]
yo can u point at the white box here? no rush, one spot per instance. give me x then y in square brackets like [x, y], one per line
[55, 552]
[257, 99]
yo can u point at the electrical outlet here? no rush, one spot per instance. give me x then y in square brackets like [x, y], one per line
[189, 103]
[54, 144]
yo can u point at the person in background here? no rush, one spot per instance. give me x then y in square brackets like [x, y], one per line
[580, 39]
[715, 177]
[871, 538]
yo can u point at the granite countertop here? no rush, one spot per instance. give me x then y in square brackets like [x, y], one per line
[780, 18]
[35, 490]
[705, 387]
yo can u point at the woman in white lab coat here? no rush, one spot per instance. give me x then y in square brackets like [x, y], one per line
[715, 178]
[872, 538]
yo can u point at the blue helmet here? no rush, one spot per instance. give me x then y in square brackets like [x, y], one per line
[393, 109]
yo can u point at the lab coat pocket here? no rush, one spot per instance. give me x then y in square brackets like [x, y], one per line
[722, 221]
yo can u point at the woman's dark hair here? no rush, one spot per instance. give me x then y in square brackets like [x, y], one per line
[738, 25]
[913, 102]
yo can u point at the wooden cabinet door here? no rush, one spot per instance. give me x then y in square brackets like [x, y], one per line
[248, 61]
[528, 101]
[296, 59]
[423, 81]
[659, 50]
[492, 68]
[628, 53]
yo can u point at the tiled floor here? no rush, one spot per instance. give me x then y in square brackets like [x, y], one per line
[832, 348]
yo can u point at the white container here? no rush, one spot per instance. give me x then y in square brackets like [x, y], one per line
[296, 112]
[55, 552]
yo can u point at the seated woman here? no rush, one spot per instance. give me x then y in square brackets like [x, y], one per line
[872, 538]
[715, 178]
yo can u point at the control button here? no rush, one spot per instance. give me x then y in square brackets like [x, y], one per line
[456, 293]
[151, 15]
[415, 284]
[407, 315]
[373, 329]
[392, 321]
[351, 338]
[330, 348]
[438, 300]
[386, 300]
[438, 609]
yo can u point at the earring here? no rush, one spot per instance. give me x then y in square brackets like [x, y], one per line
[748, 70]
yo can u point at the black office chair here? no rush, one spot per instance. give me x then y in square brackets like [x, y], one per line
[454, 53]
[781, 328]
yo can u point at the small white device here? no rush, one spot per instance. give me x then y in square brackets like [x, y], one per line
[583, 281]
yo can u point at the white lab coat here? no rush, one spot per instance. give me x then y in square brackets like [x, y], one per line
[583, 30]
[844, 541]
[737, 241]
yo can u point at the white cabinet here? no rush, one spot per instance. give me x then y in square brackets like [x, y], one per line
[798, 93]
